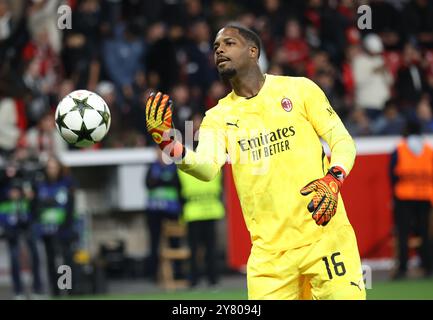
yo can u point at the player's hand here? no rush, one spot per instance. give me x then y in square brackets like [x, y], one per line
[323, 206]
[159, 118]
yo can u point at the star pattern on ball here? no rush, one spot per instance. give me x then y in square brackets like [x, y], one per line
[81, 105]
[83, 133]
[61, 120]
[105, 115]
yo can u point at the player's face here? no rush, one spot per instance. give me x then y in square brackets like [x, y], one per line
[53, 169]
[231, 52]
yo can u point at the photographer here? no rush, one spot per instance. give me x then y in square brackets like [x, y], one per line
[17, 178]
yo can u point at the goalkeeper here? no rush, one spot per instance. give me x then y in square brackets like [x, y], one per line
[303, 246]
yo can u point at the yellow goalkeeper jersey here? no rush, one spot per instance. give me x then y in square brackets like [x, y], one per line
[273, 144]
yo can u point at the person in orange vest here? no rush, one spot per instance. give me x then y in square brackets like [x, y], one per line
[412, 185]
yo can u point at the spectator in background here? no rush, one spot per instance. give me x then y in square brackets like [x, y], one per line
[333, 28]
[297, 50]
[217, 91]
[202, 208]
[17, 218]
[194, 10]
[160, 61]
[43, 140]
[35, 99]
[418, 15]
[269, 42]
[357, 123]
[82, 45]
[9, 130]
[387, 22]
[328, 83]
[162, 183]
[372, 79]
[42, 18]
[347, 77]
[319, 62]
[411, 171]
[280, 59]
[221, 11]
[424, 114]
[201, 71]
[127, 122]
[65, 87]
[410, 80]
[88, 20]
[181, 94]
[311, 16]
[123, 58]
[107, 91]
[275, 69]
[13, 35]
[41, 75]
[276, 13]
[429, 89]
[390, 122]
[137, 104]
[9, 25]
[5, 20]
[145, 12]
[55, 215]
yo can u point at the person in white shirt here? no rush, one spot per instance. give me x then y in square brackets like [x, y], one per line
[372, 78]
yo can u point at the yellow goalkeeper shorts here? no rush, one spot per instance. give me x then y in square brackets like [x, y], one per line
[327, 269]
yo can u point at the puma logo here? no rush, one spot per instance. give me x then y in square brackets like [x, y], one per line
[356, 285]
[233, 124]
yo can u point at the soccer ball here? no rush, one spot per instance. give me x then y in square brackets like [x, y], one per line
[82, 118]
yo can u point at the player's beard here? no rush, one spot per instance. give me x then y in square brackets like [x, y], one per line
[227, 74]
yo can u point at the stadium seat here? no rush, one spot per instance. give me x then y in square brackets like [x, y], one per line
[169, 255]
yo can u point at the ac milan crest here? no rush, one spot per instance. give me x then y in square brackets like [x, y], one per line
[287, 104]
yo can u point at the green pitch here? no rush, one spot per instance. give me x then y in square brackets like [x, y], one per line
[402, 290]
[399, 290]
[239, 294]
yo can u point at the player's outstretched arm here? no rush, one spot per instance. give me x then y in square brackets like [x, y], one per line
[203, 164]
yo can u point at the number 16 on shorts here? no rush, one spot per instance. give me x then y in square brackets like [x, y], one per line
[334, 266]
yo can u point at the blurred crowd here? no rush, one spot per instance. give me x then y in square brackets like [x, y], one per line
[375, 78]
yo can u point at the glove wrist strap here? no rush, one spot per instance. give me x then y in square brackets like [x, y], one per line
[338, 173]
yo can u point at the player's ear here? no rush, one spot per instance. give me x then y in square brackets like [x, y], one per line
[254, 52]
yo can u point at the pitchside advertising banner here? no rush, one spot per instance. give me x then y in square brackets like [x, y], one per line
[367, 198]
